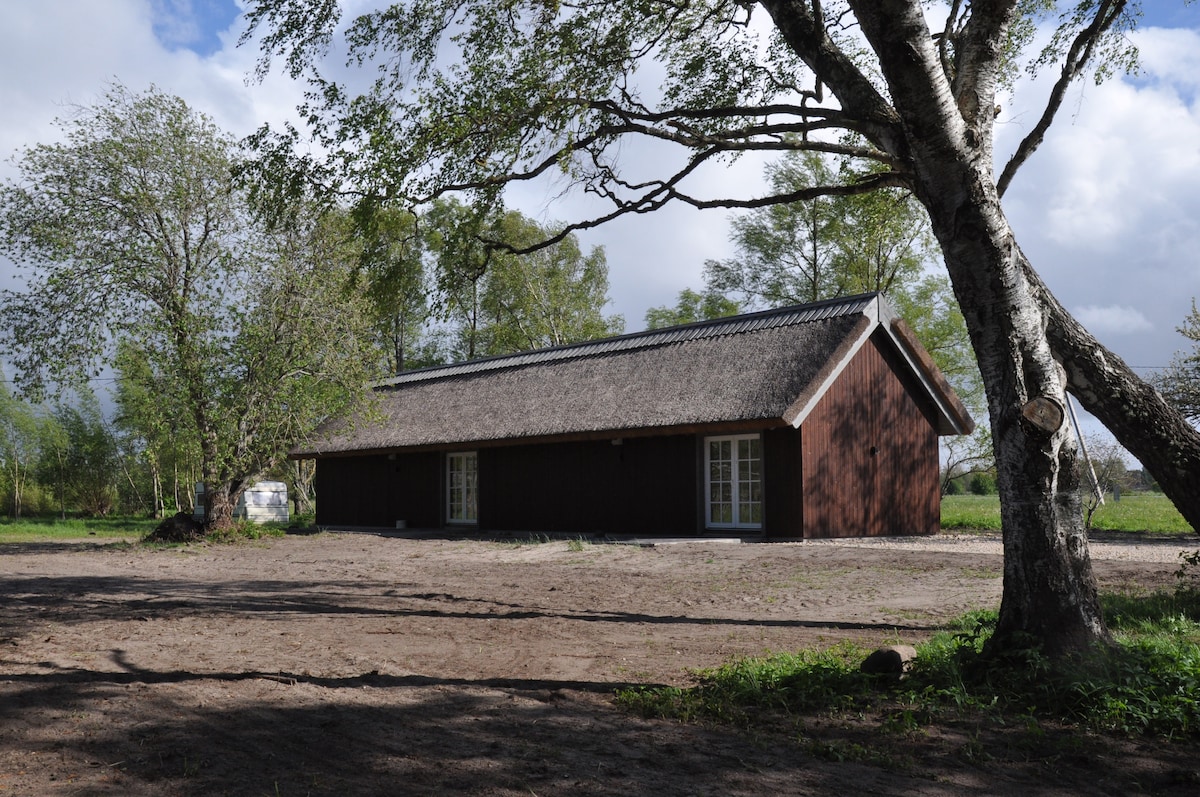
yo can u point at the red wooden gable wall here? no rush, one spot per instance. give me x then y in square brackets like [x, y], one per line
[869, 453]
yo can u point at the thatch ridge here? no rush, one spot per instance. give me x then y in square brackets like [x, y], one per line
[748, 369]
[651, 338]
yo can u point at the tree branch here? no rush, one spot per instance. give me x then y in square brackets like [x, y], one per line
[660, 193]
[802, 27]
[1078, 56]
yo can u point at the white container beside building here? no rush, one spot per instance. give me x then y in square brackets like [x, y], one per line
[262, 502]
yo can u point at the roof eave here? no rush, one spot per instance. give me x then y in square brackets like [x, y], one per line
[833, 368]
[953, 416]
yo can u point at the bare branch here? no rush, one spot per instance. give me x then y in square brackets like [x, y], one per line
[657, 194]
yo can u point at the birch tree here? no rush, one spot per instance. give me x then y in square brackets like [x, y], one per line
[500, 302]
[133, 230]
[823, 247]
[21, 436]
[472, 96]
[393, 266]
[691, 307]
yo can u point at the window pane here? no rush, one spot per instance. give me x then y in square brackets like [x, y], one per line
[462, 487]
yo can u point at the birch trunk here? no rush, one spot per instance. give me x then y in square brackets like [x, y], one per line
[1050, 594]
[943, 132]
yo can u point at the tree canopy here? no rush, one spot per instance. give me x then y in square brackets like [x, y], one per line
[136, 237]
[500, 302]
[1180, 381]
[825, 246]
[691, 307]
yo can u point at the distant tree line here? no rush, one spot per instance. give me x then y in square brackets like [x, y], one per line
[67, 459]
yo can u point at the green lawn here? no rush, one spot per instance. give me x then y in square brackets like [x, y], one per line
[1148, 512]
[28, 529]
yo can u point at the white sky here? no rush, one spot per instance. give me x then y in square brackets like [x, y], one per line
[1108, 210]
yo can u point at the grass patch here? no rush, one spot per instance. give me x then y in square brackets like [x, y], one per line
[242, 530]
[49, 529]
[1151, 512]
[810, 680]
[1147, 684]
[1140, 512]
[524, 540]
[971, 512]
[34, 529]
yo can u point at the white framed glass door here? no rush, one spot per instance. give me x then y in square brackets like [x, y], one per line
[462, 487]
[733, 481]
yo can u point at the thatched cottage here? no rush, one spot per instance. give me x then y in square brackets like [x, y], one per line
[818, 420]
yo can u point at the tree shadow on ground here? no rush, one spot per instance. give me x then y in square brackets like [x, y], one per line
[134, 733]
[416, 735]
[84, 599]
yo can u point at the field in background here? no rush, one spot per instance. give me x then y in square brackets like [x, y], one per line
[1146, 512]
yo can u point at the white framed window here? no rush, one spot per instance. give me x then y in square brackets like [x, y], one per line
[462, 487]
[733, 481]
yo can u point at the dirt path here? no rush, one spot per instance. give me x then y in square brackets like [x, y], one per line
[360, 664]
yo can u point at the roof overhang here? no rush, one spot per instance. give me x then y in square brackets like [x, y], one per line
[953, 418]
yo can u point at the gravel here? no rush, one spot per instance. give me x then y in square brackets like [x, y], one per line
[1129, 547]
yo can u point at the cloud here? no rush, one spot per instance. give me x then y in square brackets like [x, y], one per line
[1105, 208]
[1173, 55]
[1126, 160]
[1113, 319]
[175, 23]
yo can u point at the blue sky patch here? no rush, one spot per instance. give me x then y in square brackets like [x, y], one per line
[193, 25]
[1170, 14]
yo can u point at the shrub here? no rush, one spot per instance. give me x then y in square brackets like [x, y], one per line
[982, 484]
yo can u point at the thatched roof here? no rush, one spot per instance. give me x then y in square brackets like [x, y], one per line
[764, 367]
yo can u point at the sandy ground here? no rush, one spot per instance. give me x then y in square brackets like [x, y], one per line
[341, 664]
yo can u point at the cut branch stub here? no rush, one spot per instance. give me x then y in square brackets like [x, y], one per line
[1044, 414]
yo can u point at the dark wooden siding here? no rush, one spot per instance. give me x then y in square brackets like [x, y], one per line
[645, 485]
[783, 484]
[378, 491]
[870, 455]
